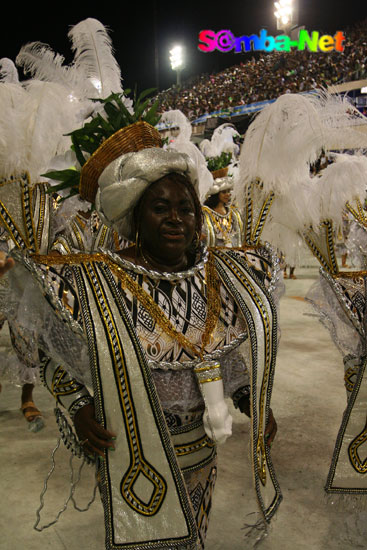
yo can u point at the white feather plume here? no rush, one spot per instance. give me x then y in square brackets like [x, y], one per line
[35, 118]
[289, 135]
[310, 202]
[94, 58]
[343, 181]
[8, 71]
[42, 63]
[281, 144]
[221, 141]
[36, 114]
[51, 102]
[182, 143]
[289, 218]
[15, 105]
[94, 71]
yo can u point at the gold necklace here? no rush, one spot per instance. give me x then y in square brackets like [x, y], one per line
[212, 284]
[222, 228]
[213, 305]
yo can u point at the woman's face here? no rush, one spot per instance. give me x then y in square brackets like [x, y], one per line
[167, 220]
[225, 196]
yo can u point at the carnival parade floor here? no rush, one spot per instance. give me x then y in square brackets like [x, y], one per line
[308, 402]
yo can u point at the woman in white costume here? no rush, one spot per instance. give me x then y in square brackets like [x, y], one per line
[150, 341]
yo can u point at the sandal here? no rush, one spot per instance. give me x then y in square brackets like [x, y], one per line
[33, 417]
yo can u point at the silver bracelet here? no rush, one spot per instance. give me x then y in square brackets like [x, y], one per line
[79, 404]
[69, 438]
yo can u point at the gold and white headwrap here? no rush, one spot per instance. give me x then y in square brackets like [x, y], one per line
[125, 179]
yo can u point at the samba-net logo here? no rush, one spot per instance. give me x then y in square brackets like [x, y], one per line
[225, 41]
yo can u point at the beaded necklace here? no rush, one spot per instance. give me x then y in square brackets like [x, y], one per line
[213, 294]
[223, 223]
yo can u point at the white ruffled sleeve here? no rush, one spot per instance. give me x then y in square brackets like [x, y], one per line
[44, 304]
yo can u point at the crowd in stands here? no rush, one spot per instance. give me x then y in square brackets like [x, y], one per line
[269, 76]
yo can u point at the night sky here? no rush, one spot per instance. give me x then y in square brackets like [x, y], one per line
[133, 30]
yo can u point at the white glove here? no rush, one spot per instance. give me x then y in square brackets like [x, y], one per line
[217, 420]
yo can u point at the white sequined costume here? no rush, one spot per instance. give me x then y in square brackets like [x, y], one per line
[63, 334]
[130, 340]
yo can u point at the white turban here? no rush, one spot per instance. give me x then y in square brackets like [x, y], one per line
[125, 179]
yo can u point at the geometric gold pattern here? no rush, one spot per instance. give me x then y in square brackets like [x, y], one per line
[354, 449]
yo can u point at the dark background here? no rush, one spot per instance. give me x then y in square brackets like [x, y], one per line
[137, 27]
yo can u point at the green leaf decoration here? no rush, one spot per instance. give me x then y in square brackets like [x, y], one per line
[221, 161]
[69, 179]
[61, 175]
[86, 140]
[145, 93]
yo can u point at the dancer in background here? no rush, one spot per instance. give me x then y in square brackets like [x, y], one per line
[223, 225]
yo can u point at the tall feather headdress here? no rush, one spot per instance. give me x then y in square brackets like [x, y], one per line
[94, 59]
[34, 119]
[221, 141]
[182, 143]
[279, 148]
[27, 138]
[94, 72]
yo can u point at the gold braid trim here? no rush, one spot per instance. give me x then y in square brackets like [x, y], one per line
[212, 299]
[262, 218]
[213, 295]
[359, 214]
[349, 275]
[116, 240]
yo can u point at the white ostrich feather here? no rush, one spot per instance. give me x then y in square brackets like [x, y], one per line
[281, 142]
[314, 200]
[8, 71]
[221, 141]
[36, 114]
[42, 63]
[182, 143]
[288, 218]
[343, 181]
[33, 121]
[94, 72]
[289, 135]
[51, 102]
[94, 58]
[344, 126]
[15, 105]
